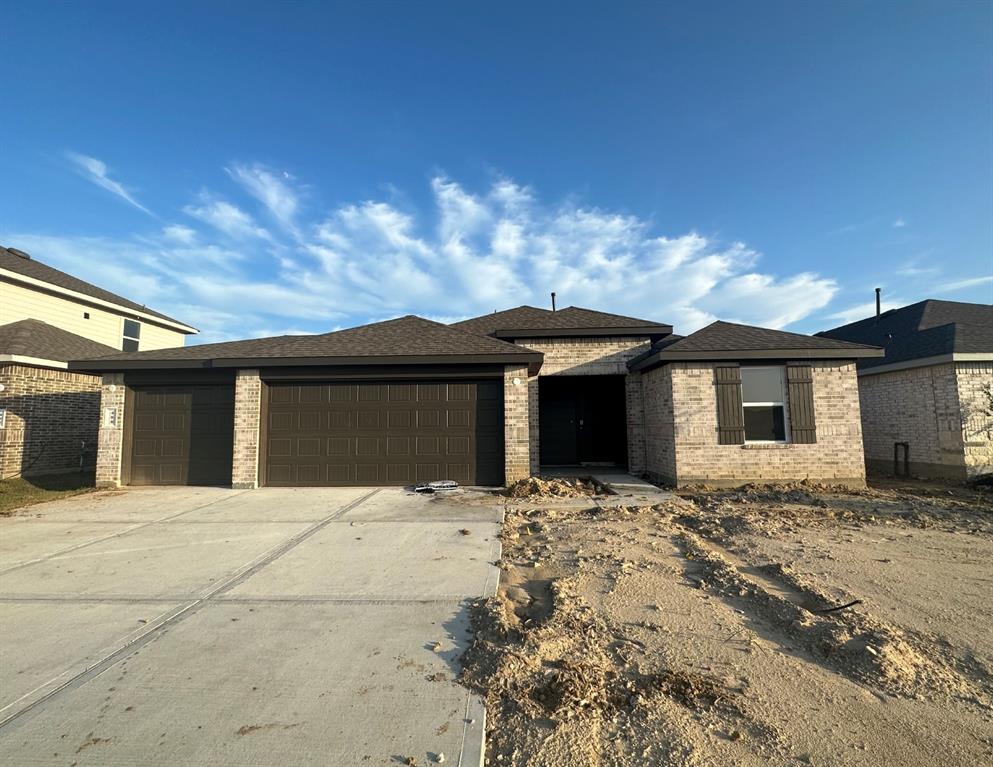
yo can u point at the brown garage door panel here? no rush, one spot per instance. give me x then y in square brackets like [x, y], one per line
[182, 435]
[373, 433]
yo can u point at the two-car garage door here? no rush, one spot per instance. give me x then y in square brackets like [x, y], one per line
[383, 433]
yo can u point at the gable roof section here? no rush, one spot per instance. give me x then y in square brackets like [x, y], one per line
[405, 340]
[729, 341]
[25, 266]
[531, 322]
[41, 341]
[923, 330]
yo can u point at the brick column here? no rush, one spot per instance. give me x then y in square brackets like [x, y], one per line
[517, 451]
[110, 438]
[247, 418]
[635, 414]
[534, 442]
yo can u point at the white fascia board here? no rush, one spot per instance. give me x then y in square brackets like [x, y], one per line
[37, 362]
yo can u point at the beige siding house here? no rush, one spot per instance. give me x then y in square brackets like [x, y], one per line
[49, 415]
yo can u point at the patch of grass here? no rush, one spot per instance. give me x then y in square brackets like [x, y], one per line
[18, 492]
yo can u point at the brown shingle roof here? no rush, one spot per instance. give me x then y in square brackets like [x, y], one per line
[727, 340]
[34, 338]
[29, 267]
[403, 339]
[572, 318]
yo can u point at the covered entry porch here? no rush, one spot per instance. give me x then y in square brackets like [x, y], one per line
[582, 421]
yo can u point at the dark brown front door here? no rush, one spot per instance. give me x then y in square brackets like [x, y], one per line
[582, 420]
[384, 433]
[182, 435]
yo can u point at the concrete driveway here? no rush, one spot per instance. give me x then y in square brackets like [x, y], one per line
[218, 627]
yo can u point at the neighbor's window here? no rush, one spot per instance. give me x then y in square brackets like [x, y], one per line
[132, 332]
[764, 401]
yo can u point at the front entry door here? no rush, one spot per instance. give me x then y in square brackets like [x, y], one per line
[582, 420]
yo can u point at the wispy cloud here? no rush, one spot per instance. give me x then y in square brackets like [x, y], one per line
[96, 171]
[272, 190]
[970, 282]
[471, 251]
[228, 218]
[899, 223]
[863, 311]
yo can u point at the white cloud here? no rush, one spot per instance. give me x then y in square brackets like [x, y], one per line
[471, 253]
[899, 223]
[229, 218]
[971, 282]
[858, 312]
[96, 171]
[273, 192]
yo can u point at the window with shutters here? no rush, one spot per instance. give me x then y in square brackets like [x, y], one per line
[763, 401]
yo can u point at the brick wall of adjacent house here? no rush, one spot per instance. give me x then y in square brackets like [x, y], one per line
[247, 420]
[517, 431]
[51, 420]
[692, 454]
[589, 357]
[110, 439]
[975, 391]
[919, 406]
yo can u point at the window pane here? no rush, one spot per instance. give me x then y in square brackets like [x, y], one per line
[762, 385]
[132, 329]
[130, 345]
[765, 424]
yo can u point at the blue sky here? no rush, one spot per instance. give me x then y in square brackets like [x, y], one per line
[259, 168]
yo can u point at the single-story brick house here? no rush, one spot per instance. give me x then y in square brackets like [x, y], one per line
[484, 401]
[49, 415]
[927, 405]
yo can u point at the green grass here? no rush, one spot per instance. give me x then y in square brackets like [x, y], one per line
[25, 491]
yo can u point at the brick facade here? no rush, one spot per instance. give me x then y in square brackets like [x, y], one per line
[589, 357]
[51, 420]
[516, 427]
[110, 439]
[941, 411]
[681, 432]
[247, 420]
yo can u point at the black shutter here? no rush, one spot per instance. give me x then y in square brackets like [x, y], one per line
[800, 382]
[730, 417]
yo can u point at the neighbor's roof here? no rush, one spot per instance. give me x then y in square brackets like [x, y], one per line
[34, 338]
[525, 321]
[727, 340]
[405, 340]
[21, 263]
[926, 329]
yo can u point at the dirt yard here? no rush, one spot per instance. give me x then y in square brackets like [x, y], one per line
[784, 626]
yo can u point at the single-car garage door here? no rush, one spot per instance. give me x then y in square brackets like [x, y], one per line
[384, 433]
[182, 435]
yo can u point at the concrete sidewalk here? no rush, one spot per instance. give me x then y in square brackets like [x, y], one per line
[206, 626]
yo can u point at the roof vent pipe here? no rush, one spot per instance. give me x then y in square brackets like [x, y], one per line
[878, 301]
[553, 300]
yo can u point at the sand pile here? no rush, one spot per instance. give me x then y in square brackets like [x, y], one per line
[538, 487]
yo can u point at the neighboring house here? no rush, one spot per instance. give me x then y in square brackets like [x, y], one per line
[485, 401]
[48, 414]
[927, 406]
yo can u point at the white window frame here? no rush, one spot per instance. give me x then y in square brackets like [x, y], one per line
[783, 405]
[126, 337]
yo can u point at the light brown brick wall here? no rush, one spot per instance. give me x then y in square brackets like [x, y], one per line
[693, 455]
[51, 421]
[590, 356]
[660, 446]
[919, 406]
[975, 392]
[247, 420]
[110, 440]
[516, 429]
